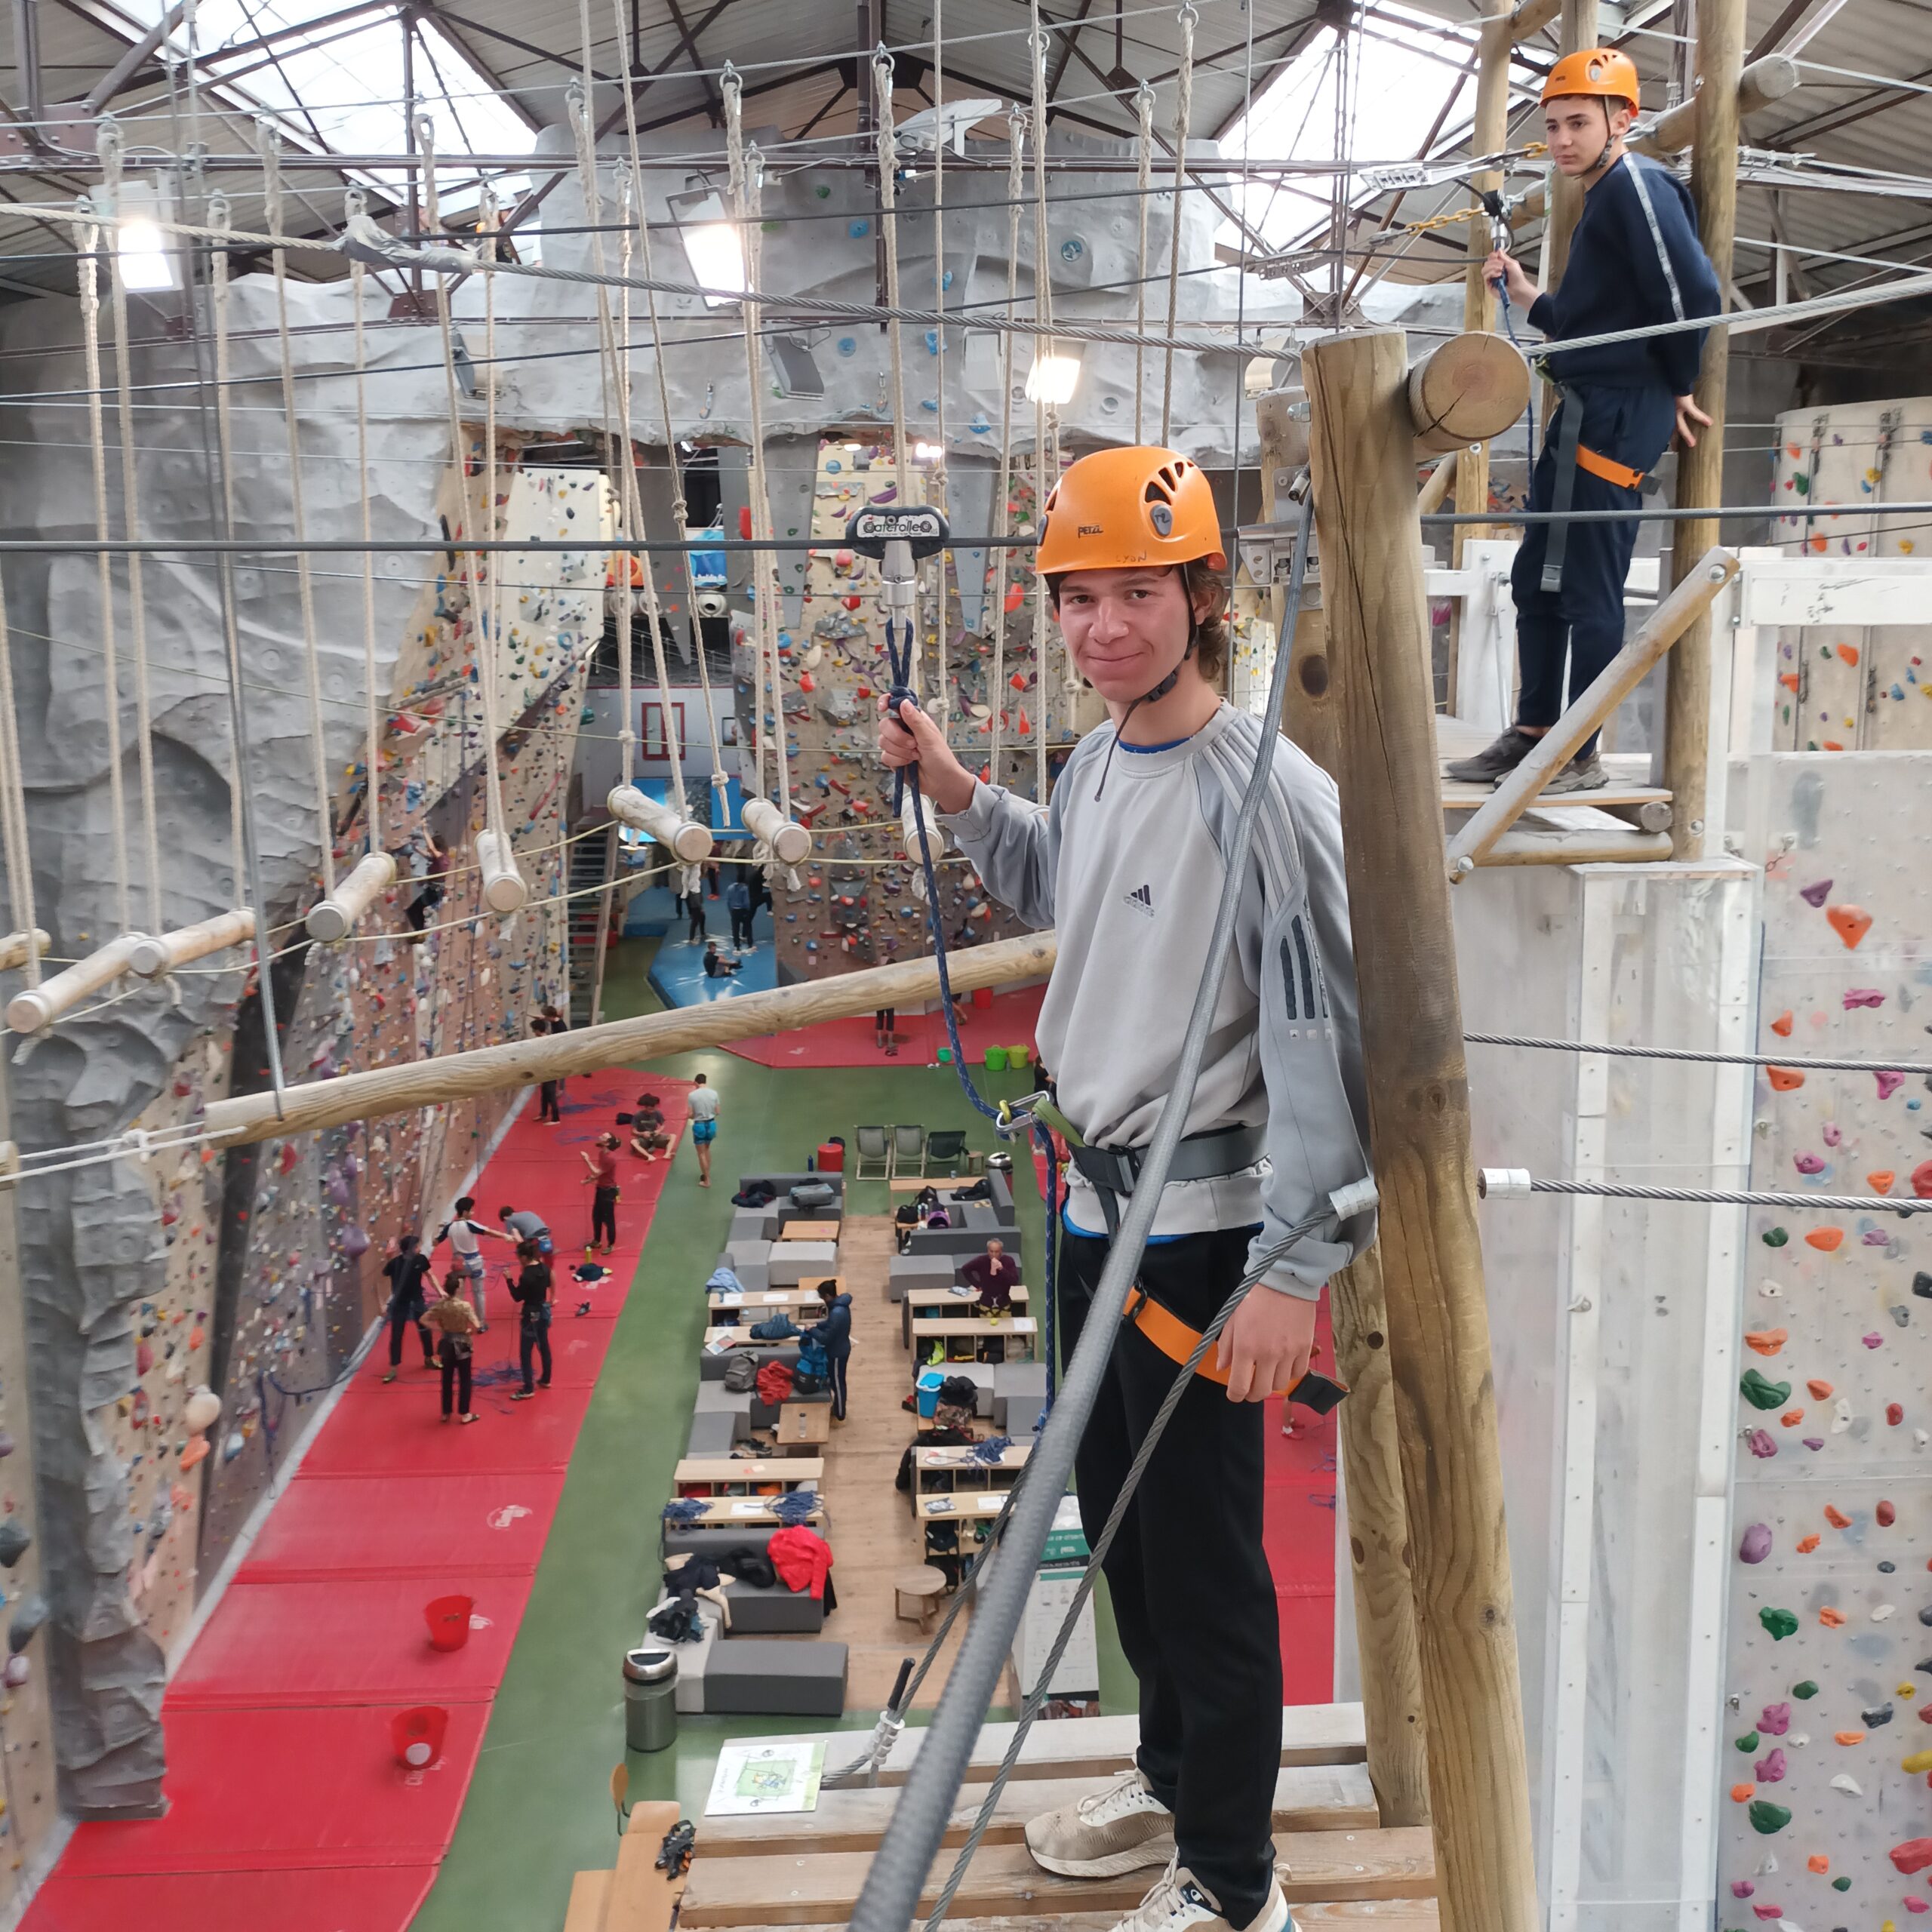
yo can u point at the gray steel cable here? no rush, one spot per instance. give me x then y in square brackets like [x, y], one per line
[918, 1824]
[1712, 1059]
[1488, 1183]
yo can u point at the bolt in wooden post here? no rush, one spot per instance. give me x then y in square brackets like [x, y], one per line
[1363, 463]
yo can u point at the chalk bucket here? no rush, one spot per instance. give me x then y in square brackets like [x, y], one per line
[448, 1619]
[982, 997]
[995, 1059]
[417, 1735]
[1019, 1056]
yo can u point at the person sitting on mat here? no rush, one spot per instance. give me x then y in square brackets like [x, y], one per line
[648, 1138]
[1635, 260]
[1126, 860]
[716, 968]
[456, 1325]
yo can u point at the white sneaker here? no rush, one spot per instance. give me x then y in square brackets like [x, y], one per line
[1117, 1828]
[1177, 1904]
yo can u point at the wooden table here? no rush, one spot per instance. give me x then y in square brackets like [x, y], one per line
[809, 1230]
[716, 1476]
[727, 1512]
[802, 1425]
[1015, 1328]
[925, 1585]
[762, 1302]
[980, 1506]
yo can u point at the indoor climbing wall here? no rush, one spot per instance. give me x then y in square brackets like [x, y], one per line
[1830, 1663]
[1851, 687]
[860, 903]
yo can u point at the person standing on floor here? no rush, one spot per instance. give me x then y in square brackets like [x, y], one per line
[548, 1113]
[738, 904]
[703, 1107]
[993, 1276]
[885, 1030]
[523, 1224]
[1126, 860]
[456, 1326]
[466, 1236]
[834, 1334]
[536, 1291]
[603, 1166]
[1635, 261]
[694, 912]
[407, 1269]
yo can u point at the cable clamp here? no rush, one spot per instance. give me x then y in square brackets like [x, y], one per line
[1503, 1183]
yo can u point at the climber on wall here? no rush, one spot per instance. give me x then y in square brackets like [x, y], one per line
[1127, 862]
[1634, 260]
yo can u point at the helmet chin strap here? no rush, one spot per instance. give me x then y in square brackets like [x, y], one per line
[1153, 696]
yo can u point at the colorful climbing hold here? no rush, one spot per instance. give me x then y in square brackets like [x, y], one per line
[1826, 1240]
[1851, 923]
[1784, 1079]
[1781, 1623]
[1767, 1818]
[1761, 1394]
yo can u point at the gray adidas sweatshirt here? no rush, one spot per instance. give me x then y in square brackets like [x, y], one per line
[1131, 880]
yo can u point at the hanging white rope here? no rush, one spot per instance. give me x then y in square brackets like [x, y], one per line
[109, 150]
[504, 888]
[86, 242]
[336, 917]
[13, 822]
[270, 147]
[1040, 487]
[1143, 181]
[889, 236]
[787, 843]
[937, 490]
[720, 778]
[224, 427]
[1183, 113]
[1016, 149]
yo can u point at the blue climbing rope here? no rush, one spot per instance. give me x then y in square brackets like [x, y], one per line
[899, 657]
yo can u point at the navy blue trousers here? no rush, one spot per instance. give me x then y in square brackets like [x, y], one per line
[1584, 619]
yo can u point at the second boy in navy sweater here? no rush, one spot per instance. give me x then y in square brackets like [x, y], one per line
[1634, 261]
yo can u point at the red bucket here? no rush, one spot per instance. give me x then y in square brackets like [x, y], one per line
[448, 1619]
[417, 1735]
[982, 997]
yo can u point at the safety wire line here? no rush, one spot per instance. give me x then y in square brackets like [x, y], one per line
[1043, 1686]
[14, 806]
[87, 243]
[490, 617]
[904, 1860]
[1046, 415]
[130, 514]
[1183, 114]
[1717, 1197]
[746, 172]
[1782, 1060]
[372, 803]
[1143, 182]
[888, 207]
[243, 833]
[680, 510]
[483, 645]
[305, 584]
[936, 489]
[1002, 515]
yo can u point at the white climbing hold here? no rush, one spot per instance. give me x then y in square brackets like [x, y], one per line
[1798, 1739]
[1846, 1782]
[1841, 1415]
[1884, 1612]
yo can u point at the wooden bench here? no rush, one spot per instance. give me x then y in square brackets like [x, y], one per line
[1017, 1331]
[809, 1230]
[723, 1475]
[943, 1305]
[727, 1512]
[952, 1470]
[765, 1302]
[636, 1897]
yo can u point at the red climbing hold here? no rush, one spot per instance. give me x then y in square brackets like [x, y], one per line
[1851, 923]
[1922, 1180]
[1781, 1026]
[1015, 597]
[1913, 1856]
[1783, 1079]
[1887, 1515]
[1894, 1414]
[745, 522]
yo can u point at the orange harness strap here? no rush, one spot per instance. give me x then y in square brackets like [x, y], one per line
[1619, 473]
[1172, 1336]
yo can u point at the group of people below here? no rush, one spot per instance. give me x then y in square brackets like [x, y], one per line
[743, 896]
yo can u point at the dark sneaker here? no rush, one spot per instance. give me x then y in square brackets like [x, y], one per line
[1117, 1828]
[1580, 774]
[1494, 761]
[1178, 1904]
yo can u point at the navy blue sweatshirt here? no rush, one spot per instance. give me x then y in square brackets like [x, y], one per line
[835, 1330]
[1616, 278]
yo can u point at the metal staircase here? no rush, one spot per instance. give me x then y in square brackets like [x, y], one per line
[593, 864]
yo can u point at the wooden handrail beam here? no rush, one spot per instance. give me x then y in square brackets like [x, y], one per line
[1530, 17]
[1608, 689]
[390, 1090]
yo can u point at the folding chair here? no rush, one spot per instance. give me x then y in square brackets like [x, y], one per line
[908, 1146]
[873, 1148]
[944, 1147]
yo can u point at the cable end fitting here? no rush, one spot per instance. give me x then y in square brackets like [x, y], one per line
[1358, 1198]
[1503, 1183]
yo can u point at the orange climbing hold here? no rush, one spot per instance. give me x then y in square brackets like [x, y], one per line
[1767, 1341]
[1848, 654]
[1836, 1517]
[1791, 1418]
[1782, 1025]
[1742, 1794]
[1789, 680]
[1880, 1179]
[1806, 1545]
[1831, 1619]
[1784, 1079]
[1825, 1240]
[1015, 595]
[1821, 1392]
[1818, 1863]
[1851, 923]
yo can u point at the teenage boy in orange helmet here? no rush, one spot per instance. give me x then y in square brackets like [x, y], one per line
[1634, 260]
[1126, 862]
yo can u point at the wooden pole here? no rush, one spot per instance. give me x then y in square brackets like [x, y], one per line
[1378, 1519]
[15, 947]
[1761, 83]
[1362, 459]
[152, 957]
[392, 1090]
[1700, 471]
[1669, 623]
[1579, 30]
[1429, 498]
[1466, 390]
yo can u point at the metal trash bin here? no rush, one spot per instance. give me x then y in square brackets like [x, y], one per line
[650, 1691]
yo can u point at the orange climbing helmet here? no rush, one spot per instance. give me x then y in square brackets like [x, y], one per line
[1604, 71]
[1117, 509]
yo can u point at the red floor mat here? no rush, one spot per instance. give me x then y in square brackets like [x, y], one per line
[337, 1640]
[280, 1767]
[268, 1790]
[403, 1525]
[1298, 1530]
[344, 1900]
[1009, 1022]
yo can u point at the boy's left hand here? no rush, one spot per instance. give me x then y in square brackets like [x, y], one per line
[1266, 1345]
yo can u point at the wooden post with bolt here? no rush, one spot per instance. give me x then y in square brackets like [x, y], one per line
[1362, 462]
[1378, 1522]
[1687, 745]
